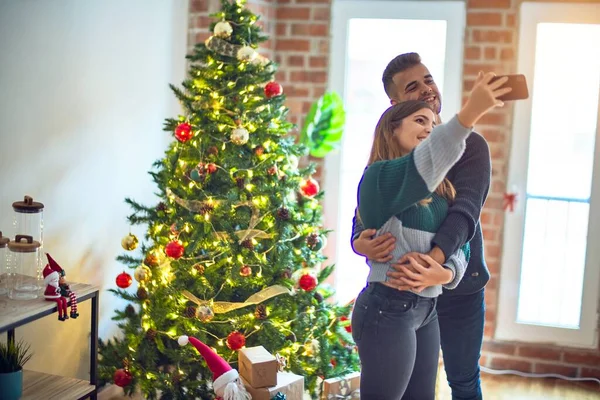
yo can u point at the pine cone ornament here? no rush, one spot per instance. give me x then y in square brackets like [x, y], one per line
[287, 273]
[283, 214]
[212, 150]
[248, 244]
[190, 312]
[318, 296]
[241, 182]
[161, 207]
[260, 312]
[151, 334]
[130, 310]
[199, 268]
[142, 293]
[206, 208]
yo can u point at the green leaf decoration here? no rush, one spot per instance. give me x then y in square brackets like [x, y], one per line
[324, 125]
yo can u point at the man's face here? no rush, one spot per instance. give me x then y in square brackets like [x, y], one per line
[416, 83]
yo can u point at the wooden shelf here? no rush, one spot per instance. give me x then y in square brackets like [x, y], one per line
[40, 386]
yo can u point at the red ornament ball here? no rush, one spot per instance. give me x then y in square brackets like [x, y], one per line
[175, 249]
[273, 89]
[309, 187]
[245, 270]
[348, 327]
[211, 168]
[236, 340]
[122, 377]
[124, 280]
[307, 282]
[183, 132]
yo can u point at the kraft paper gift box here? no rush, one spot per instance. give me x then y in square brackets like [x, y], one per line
[291, 385]
[343, 388]
[258, 367]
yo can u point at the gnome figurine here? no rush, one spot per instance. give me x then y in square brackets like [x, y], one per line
[52, 292]
[226, 380]
[65, 288]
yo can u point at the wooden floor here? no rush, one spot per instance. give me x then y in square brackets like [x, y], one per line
[495, 387]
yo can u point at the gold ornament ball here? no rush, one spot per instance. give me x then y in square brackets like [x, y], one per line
[205, 313]
[240, 136]
[246, 53]
[142, 274]
[130, 242]
[223, 29]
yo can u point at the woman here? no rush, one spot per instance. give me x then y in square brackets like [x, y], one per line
[403, 192]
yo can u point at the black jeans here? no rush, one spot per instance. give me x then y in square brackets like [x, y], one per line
[461, 320]
[398, 341]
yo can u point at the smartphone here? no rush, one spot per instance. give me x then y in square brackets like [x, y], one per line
[518, 83]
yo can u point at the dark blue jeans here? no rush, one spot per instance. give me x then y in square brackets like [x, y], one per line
[461, 319]
[398, 341]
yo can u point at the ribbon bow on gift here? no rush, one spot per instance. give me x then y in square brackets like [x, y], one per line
[346, 392]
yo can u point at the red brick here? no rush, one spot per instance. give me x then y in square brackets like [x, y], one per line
[313, 1]
[497, 152]
[310, 29]
[473, 53]
[489, 53]
[510, 364]
[484, 19]
[323, 47]
[294, 105]
[488, 4]
[500, 347]
[493, 266]
[555, 369]
[203, 21]
[490, 315]
[281, 29]
[318, 91]
[292, 45]
[490, 234]
[201, 37]
[474, 68]
[308, 76]
[321, 13]
[498, 186]
[540, 352]
[507, 54]
[496, 203]
[319, 62]
[510, 20]
[492, 36]
[581, 357]
[306, 107]
[295, 61]
[198, 6]
[590, 373]
[292, 13]
[492, 251]
[483, 360]
[488, 331]
[492, 136]
[468, 84]
[299, 92]
[281, 76]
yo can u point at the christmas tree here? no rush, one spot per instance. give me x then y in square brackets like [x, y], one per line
[232, 252]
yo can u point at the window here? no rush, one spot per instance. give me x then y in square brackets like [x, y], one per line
[366, 36]
[550, 263]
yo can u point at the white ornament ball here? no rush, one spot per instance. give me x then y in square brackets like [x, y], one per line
[183, 340]
[240, 136]
[293, 161]
[261, 60]
[223, 29]
[142, 273]
[246, 53]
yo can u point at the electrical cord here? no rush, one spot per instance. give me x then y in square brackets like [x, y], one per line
[532, 375]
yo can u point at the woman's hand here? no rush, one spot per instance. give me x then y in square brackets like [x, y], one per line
[378, 249]
[483, 97]
[411, 275]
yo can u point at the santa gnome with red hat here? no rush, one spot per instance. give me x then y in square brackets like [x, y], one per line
[226, 380]
[60, 287]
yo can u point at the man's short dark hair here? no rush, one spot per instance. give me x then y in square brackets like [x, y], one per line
[398, 64]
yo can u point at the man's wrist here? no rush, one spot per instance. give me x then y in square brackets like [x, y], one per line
[437, 254]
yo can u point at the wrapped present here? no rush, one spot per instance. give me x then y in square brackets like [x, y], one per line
[288, 384]
[344, 388]
[258, 367]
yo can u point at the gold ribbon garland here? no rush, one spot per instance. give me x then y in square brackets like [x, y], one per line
[222, 307]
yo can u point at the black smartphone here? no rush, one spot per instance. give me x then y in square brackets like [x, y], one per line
[518, 83]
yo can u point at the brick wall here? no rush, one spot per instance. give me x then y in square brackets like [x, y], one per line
[300, 44]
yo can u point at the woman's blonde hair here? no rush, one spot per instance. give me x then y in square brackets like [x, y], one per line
[386, 146]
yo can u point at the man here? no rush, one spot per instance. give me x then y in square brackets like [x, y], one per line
[461, 311]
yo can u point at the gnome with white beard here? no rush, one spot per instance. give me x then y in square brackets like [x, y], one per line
[226, 380]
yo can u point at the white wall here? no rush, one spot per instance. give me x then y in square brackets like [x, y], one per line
[83, 94]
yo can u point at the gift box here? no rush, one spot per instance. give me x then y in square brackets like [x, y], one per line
[258, 367]
[344, 388]
[291, 385]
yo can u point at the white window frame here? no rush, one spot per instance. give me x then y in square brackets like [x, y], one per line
[507, 327]
[454, 13]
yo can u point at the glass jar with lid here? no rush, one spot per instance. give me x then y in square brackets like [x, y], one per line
[24, 282]
[29, 220]
[3, 265]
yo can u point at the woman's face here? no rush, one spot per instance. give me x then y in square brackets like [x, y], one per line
[414, 129]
